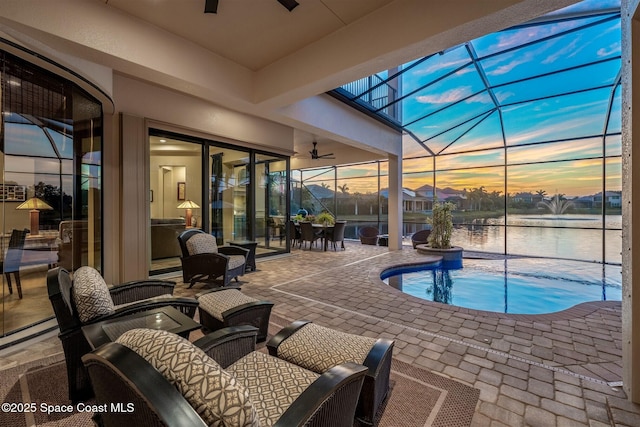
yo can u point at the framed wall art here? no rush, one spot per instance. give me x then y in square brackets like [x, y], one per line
[182, 190]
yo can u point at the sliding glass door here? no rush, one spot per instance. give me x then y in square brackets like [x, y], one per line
[236, 194]
[270, 188]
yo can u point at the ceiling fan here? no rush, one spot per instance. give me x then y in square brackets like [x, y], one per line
[316, 156]
[211, 6]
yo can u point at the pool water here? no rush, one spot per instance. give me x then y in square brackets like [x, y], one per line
[518, 286]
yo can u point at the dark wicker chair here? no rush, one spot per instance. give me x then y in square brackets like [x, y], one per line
[12, 259]
[217, 267]
[368, 235]
[308, 234]
[420, 238]
[138, 296]
[337, 234]
[377, 360]
[294, 233]
[119, 374]
[223, 307]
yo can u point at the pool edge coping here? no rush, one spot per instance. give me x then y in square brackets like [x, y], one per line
[578, 310]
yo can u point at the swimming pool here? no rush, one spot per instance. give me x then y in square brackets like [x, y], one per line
[518, 286]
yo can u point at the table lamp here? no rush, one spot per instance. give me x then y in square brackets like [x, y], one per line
[188, 205]
[34, 205]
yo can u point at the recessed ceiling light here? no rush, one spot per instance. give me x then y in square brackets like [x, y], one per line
[163, 140]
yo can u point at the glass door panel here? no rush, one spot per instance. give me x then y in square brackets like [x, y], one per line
[175, 197]
[270, 189]
[228, 193]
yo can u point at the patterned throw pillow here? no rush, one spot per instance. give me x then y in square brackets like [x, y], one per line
[272, 383]
[91, 294]
[319, 349]
[215, 394]
[202, 243]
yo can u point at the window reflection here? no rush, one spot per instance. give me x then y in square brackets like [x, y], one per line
[51, 141]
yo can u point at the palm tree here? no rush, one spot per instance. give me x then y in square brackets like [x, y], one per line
[343, 188]
[541, 193]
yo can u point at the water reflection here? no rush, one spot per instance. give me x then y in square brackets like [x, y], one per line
[579, 237]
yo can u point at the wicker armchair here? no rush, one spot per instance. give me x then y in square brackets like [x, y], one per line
[126, 299]
[318, 348]
[368, 235]
[204, 261]
[129, 370]
[420, 238]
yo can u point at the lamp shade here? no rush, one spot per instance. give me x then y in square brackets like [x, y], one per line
[188, 204]
[34, 206]
[34, 203]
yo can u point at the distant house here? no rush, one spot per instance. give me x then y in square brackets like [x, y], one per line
[523, 198]
[411, 201]
[613, 199]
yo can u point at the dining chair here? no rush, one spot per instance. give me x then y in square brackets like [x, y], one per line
[337, 234]
[13, 258]
[308, 234]
[294, 233]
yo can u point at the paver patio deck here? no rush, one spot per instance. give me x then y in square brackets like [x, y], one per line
[532, 370]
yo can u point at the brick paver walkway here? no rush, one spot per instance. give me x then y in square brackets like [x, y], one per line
[561, 369]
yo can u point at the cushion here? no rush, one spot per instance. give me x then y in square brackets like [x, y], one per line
[212, 392]
[202, 243]
[318, 348]
[91, 294]
[272, 383]
[217, 302]
[236, 261]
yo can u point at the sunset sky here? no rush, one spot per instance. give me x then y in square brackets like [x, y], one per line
[549, 92]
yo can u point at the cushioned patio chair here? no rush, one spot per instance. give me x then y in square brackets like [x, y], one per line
[86, 300]
[171, 382]
[318, 349]
[420, 238]
[204, 261]
[228, 306]
[368, 235]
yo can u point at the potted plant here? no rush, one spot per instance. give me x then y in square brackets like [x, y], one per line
[325, 218]
[441, 225]
[440, 238]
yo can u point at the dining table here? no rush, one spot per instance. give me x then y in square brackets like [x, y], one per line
[324, 230]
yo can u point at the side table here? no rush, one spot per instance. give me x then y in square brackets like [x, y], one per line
[251, 257]
[165, 318]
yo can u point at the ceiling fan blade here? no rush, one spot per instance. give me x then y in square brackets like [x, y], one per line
[211, 6]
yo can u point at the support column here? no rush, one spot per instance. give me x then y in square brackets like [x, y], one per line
[134, 251]
[630, 200]
[395, 202]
